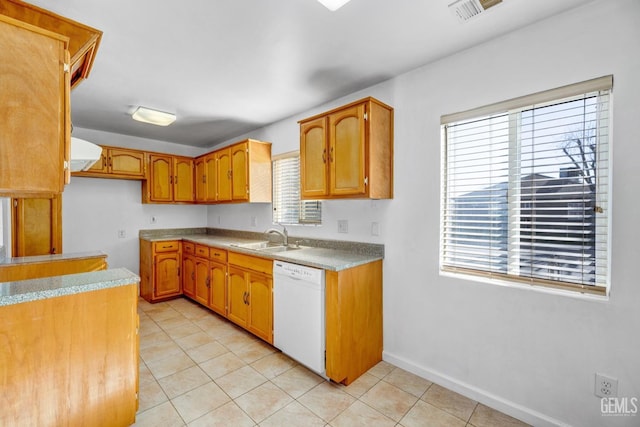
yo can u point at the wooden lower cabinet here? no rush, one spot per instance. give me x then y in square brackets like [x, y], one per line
[71, 360]
[353, 309]
[250, 298]
[160, 270]
[36, 227]
[189, 275]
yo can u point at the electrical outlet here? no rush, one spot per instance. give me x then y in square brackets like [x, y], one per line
[122, 234]
[254, 221]
[153, 219]
[343, 226]
[606, 386]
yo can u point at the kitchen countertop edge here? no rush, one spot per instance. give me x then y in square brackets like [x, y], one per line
[21, 291]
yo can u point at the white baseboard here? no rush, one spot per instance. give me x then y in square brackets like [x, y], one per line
[499, 403]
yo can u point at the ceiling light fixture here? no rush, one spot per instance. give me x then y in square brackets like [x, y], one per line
[333, 5]
[155, 117]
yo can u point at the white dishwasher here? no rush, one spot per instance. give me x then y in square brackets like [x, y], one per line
[298, 313]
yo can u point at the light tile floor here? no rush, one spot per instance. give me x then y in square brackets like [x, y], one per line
[198, 369]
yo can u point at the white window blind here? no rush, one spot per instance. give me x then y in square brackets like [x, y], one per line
[287, 207]
[525, 189]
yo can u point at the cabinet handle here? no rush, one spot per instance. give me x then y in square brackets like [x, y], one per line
[171, 179]
[324, 156]
[204, 179]
[178, 271]
[207, 282]
[175, 180]
[110, 162]
[331, 155]
[193, 275]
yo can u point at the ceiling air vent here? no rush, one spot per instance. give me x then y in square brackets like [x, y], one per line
[467, 9]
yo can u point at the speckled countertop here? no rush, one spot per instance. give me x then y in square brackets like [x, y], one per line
[50, 258]
[49, 287]
[330, 255]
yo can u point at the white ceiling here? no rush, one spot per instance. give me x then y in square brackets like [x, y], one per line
[226, 67]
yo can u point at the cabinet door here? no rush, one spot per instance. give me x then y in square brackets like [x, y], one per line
[218, 287]
[223, 173]
[102, 165]
[347, 151]
[161, 178]
[126, 162]
[260, 301]
[202, 281]
[189, 276]
[239, 172]
[182, 179]
[200, 178]
[211, 173]
[34, 106]
[36, 226]
[313, 158]
[237, 297]
[167, 275]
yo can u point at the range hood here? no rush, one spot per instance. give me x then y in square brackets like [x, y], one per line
[83, 154]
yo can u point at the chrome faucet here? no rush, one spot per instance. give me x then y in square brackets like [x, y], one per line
[283, 233]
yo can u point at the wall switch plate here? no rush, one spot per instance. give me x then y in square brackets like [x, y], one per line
[606, 386]
[343, 226]
[375, 229]
[122, 234]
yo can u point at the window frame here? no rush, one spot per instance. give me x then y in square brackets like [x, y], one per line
[506, 107]
[302, 203]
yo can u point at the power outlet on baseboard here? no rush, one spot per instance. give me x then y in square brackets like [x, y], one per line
[343, 226]
[606, 386]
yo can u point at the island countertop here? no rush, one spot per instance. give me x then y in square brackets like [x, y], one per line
[35, 289]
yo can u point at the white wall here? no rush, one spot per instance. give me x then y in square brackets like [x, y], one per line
[94, 210]
[532, 354]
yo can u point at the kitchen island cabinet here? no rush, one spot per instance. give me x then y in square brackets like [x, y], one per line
[70, 350]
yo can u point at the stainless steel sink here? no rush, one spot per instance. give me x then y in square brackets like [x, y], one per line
[265, 247]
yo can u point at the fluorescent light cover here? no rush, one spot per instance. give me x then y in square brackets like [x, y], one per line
[155, 117]
[333, 5]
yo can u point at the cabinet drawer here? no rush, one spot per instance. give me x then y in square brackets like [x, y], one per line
[216, 254]
[188, 248]
[166, 246]
[261, 265]
[202, 251]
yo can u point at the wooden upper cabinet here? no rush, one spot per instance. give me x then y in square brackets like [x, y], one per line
[121, 163]
[239, 171]
[170, 180]
[160, 181]
[251, 171]
[34, 106]
[183, 179]
[223, 174]
[83, 40]
[314, 163]
[200, 179]
[348, 152]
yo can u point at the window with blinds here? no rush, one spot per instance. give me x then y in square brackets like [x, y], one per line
[288, 209]
[525, 189]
